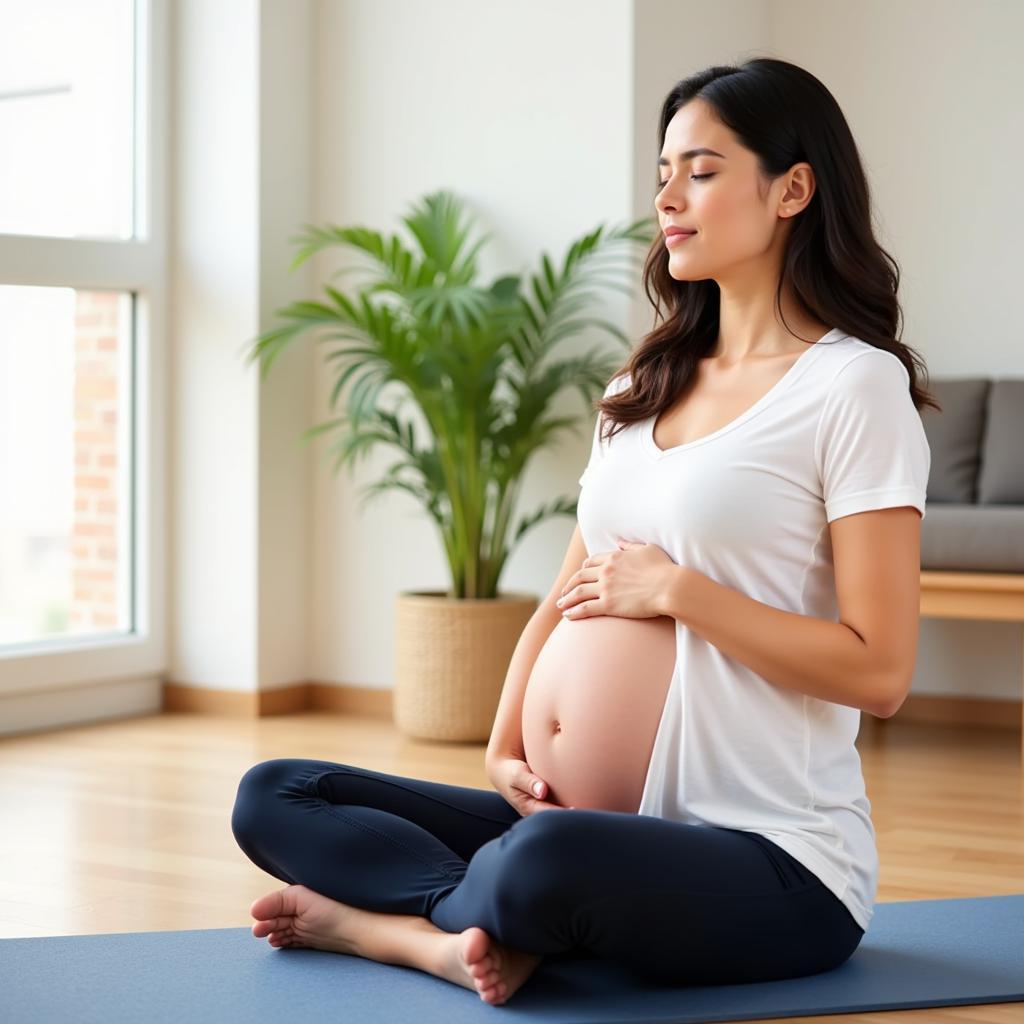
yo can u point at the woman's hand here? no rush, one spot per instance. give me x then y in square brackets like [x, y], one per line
[513, 779]
[630, 582]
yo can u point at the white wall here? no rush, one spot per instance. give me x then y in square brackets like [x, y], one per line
[525, 111]
[285, 202]
[239, 491]
[214, 306]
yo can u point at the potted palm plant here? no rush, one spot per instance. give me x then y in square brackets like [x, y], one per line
[477, 363]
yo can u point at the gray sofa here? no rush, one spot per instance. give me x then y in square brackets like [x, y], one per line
[975, 520]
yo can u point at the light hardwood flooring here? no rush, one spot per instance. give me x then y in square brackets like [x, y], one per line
[125, 825]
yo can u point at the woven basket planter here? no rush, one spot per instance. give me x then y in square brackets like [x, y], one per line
[451, 659]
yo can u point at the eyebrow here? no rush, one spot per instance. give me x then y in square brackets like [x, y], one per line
[689, 154]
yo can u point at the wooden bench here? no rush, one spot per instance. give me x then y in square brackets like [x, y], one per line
[974, 595]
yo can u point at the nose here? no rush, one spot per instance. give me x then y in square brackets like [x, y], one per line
[664, 201]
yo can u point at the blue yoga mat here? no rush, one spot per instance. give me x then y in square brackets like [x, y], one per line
[915, 954]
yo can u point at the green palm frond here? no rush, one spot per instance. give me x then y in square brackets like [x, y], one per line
[477, 362]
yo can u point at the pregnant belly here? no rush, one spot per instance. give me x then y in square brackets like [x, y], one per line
[592, 706]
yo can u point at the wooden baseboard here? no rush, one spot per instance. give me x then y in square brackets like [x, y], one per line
[376, 702]
[972, 595]
[356, 700]
[982, 711]
[284, 700]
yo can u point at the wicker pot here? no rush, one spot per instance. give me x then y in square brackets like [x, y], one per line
[451, 659]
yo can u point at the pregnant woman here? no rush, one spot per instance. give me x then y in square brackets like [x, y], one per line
[676, 785]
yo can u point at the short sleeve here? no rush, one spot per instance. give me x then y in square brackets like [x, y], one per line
[870, 447]
[597, 446]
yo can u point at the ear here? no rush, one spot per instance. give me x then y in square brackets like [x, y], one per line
[799, 189]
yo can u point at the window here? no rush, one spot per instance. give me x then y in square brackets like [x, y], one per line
[64, 458]
[83, 256]
[67, 69]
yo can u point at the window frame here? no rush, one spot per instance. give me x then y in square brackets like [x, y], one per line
[138, 266]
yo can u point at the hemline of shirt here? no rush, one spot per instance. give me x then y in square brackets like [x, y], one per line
[868, 501]
[829, 877]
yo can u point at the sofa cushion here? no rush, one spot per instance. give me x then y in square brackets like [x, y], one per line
[971, 538]
[1001, 480]
[955, 436]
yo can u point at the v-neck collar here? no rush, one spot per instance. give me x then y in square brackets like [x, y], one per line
[798, 367]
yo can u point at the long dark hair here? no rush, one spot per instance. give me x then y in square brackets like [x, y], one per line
[836, 267]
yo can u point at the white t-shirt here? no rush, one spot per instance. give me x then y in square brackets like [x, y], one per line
[749, 506]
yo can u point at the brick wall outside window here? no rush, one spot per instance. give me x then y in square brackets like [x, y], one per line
[94, 531]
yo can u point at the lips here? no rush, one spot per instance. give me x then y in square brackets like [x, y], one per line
[677, 231]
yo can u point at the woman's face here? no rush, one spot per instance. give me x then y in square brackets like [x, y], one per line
[721, 198]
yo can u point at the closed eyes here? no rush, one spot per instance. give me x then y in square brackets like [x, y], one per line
[693, 177]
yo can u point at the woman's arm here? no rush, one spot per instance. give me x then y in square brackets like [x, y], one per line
[866, 659]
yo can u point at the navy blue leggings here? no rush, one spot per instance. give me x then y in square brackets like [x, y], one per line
[685, 904]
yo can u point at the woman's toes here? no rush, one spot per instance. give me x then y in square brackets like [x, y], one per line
[268, 906]
[494, 994]
[481, 967]
[474, 946]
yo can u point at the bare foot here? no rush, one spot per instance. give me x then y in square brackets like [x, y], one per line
[472, 958]
[297, 916]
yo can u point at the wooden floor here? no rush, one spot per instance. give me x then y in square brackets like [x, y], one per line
[125, 826]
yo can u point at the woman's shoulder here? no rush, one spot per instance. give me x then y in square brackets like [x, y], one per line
[855, 364]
